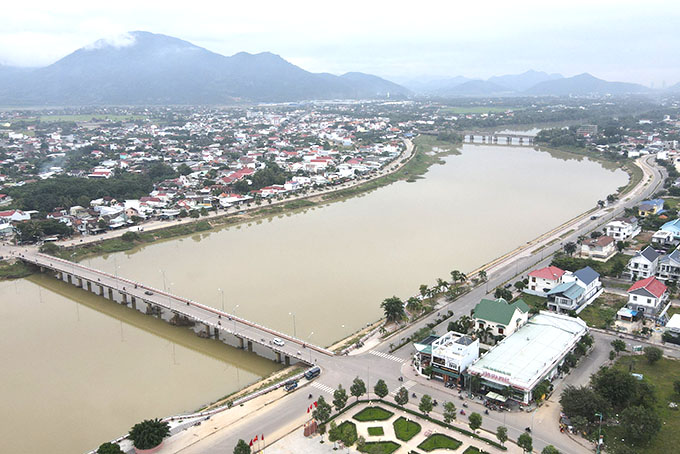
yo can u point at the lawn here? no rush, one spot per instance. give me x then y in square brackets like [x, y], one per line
[538, 303]
[439, 441]
[405, 429]
[661, 375]
[608, 268]
[473, 450]
[373, 414]
[672, 311]
[376, 431]
[601, 313]
[427, 142]
[383, 447]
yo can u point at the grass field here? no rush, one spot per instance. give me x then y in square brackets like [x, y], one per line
[376, 431]
[601, 313]
[672, 311]
[535, 302]
[439, 441]
[382, 447]
[661, 375]
[82, 118]
[373, 414]
[475, 109]
[405, 429]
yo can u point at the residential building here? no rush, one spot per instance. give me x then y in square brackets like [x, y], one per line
[643, 264]
[601, 248]
[576, 291]
[672, 227]
[448, 356]
[533, 354]
[622, 229]
[669, 267]
[14, 216]
[543, 280]
[663, 238]
[503, 318]
[647, 296]
[651, 207]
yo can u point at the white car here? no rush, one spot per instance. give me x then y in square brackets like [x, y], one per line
[277, 341]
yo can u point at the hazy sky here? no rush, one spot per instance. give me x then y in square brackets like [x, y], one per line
[614, 39]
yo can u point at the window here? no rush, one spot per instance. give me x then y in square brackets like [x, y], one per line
[500, 330]
[649, 301]
[634, 298]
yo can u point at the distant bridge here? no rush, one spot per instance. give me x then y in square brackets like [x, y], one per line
[498, 138]
[205, 321]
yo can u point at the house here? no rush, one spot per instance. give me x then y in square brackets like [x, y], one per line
[576, 291]
[543, 280]
[673, 227]
[448, 356]
[643, 264]
[14, 216]
[647, 296]
[502, 317]
[601, 248]
[651, 207]
[622, 229]
[669, 267]
[663, 238]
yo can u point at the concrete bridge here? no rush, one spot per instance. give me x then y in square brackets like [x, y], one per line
[499, 138]
[205, 321]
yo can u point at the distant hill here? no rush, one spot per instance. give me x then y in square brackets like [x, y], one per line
[474, 88]
[524, 81]
[148, 68]
[584, 84]
[430, 85]
[674, 88]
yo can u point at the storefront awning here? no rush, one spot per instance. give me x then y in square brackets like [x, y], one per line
[445, 372]
[495, 396]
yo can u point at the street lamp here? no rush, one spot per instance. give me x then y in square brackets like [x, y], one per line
[599, 433]
[294, 328]
[310, 349]
[222, 291]
[234, 316]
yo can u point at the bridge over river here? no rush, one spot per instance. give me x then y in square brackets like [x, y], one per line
[205, 321]
[499, 138]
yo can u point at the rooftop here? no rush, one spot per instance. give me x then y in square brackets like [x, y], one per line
[525, 357]
[498, 311]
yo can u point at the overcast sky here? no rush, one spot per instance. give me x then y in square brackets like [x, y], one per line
[631, 41]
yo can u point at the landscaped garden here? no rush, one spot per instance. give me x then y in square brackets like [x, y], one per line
[439, 441]
[376, 431]
[474, 450]
[381, 447]
[405, 429]
[373, 414]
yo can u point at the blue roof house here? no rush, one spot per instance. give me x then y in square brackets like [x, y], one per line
[651, 207]
[577, 290]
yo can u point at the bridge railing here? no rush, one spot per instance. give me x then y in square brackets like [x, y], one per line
[184, 300]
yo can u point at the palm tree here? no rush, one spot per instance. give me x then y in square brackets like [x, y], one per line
[455, 276]
[570, 248]
[441, 284]
[463, 277]
[600, 203]
[413, 305]
[394, 309]
[483, 276]
[423, 290]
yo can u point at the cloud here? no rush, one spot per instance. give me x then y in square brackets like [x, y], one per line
[120, 40]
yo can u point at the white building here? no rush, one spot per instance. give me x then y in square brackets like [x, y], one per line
[647, 296]
[643, 264]
[577, 290]
[533, 354]
[543, 280]
[622, 229]
[601, 248]
[448, 356]
[500, 317]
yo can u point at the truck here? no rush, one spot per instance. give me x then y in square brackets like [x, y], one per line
[313, 372]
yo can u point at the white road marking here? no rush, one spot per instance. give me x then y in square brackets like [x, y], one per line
[387, 356]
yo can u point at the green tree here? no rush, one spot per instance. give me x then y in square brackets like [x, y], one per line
[358, 388]
[570, 248]
[541, 389]
[617, 387]
[401, 397]
[380, 389]
[449, 412]
[242, 447]
[502, 293]
[394, 309]
[550, 449]
[525, 442]
[502, 434]
[475, 421]
[109, 448]
[619, 345]
[455, 276]
[653, 354]
[676, 386]
[583, 401]
[322, 411]
[425, 406]
[640, 424]
[339, 398]
[483, 276]
[333, 432]
[183, 169]
[414, 305]
[149, 433]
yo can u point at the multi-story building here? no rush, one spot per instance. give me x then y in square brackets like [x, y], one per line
[643, 264]
[622, 229]
[647, 297]
[543, 280]
[447, 356]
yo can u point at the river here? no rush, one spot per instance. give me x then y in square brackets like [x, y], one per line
[80, 366]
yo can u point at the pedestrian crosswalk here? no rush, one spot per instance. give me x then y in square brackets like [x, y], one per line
[322, 387]
[387, 356]
[408, 385]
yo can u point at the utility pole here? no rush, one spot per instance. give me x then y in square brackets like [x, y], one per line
[599, 433]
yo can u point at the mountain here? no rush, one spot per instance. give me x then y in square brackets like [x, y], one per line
[524, 81]
[584, 84]
[474, 88]
[430, 85]
[674, 88]
[147, 68]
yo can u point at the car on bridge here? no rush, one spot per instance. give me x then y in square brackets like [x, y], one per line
[148, 292]
[277, 341]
